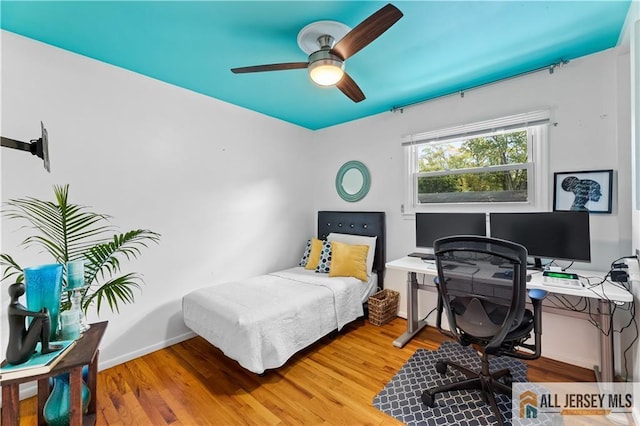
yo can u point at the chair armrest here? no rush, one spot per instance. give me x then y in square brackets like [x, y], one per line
[537, 294]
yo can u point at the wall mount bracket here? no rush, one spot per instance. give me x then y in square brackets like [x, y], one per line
[38, 147]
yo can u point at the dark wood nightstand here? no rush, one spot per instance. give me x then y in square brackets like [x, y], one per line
[85, 352]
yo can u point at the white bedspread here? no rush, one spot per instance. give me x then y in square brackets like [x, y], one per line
[262, 321]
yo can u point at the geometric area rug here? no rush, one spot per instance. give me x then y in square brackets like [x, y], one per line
[400, 398]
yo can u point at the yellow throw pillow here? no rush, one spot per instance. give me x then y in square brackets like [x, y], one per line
[348, 261]
[314, 254]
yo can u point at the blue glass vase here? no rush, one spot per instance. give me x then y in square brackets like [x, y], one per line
[57, 408]
[43, 288]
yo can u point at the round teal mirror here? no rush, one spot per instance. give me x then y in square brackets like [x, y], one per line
[353, 181]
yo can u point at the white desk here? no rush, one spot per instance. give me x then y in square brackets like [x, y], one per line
[605, 293]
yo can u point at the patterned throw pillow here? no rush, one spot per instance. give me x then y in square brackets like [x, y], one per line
[324, 265]
[305, 256]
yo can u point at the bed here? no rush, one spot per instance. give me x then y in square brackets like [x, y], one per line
[262, 321]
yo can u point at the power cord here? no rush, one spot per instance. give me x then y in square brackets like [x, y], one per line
[622, 258]
[554, 262]
[583, 305]
[430, 312]
[619, 276]
[633, 321]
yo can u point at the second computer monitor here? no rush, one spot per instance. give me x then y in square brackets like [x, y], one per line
[431, 226]
[549, 235]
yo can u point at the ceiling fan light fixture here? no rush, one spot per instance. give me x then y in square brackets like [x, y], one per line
[326, 72]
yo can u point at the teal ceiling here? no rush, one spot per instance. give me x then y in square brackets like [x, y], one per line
[438, 47]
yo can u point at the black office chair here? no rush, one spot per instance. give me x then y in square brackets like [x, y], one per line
[482, 287]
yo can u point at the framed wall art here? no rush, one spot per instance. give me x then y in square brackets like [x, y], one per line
[586, 191]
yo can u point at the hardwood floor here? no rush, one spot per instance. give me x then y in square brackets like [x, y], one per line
[334, 382]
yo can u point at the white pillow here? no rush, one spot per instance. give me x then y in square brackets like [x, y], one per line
[357, 240]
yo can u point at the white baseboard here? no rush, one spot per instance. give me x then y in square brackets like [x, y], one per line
[104, 364]
[31, 389]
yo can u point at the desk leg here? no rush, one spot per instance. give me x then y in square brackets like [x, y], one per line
[92, 384]
[414, 325]
[605, 372]
[75, 397]
[10, 405]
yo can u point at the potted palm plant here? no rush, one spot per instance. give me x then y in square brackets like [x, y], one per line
[70, 232]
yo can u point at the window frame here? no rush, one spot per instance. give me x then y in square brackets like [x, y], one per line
[537, 165]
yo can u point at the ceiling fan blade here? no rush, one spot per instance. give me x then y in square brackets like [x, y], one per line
[271, 67]
[367, 31]
[350, 88]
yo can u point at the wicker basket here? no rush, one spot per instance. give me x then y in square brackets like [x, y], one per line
[383, 307]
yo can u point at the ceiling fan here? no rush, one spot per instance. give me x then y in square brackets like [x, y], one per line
[326, 64]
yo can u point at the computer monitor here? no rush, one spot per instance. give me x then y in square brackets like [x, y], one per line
[549, 235]
[431, 226]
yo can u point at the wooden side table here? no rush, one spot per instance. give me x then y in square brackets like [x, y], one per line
[85, 352]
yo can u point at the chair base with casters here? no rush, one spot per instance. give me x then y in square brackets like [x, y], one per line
[486, 308]
[487, 382]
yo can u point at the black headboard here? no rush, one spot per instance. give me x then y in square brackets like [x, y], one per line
[370, 224]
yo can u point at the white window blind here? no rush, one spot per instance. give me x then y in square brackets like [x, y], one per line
[480, 128]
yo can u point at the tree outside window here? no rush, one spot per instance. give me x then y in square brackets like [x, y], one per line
[489, 168]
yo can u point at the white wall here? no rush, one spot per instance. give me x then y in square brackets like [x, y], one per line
[221, 184]
[585, 102]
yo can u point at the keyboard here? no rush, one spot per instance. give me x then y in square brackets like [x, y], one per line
[562, 282]
[423, 256]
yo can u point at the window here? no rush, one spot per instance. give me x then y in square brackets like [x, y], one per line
[491, 163]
